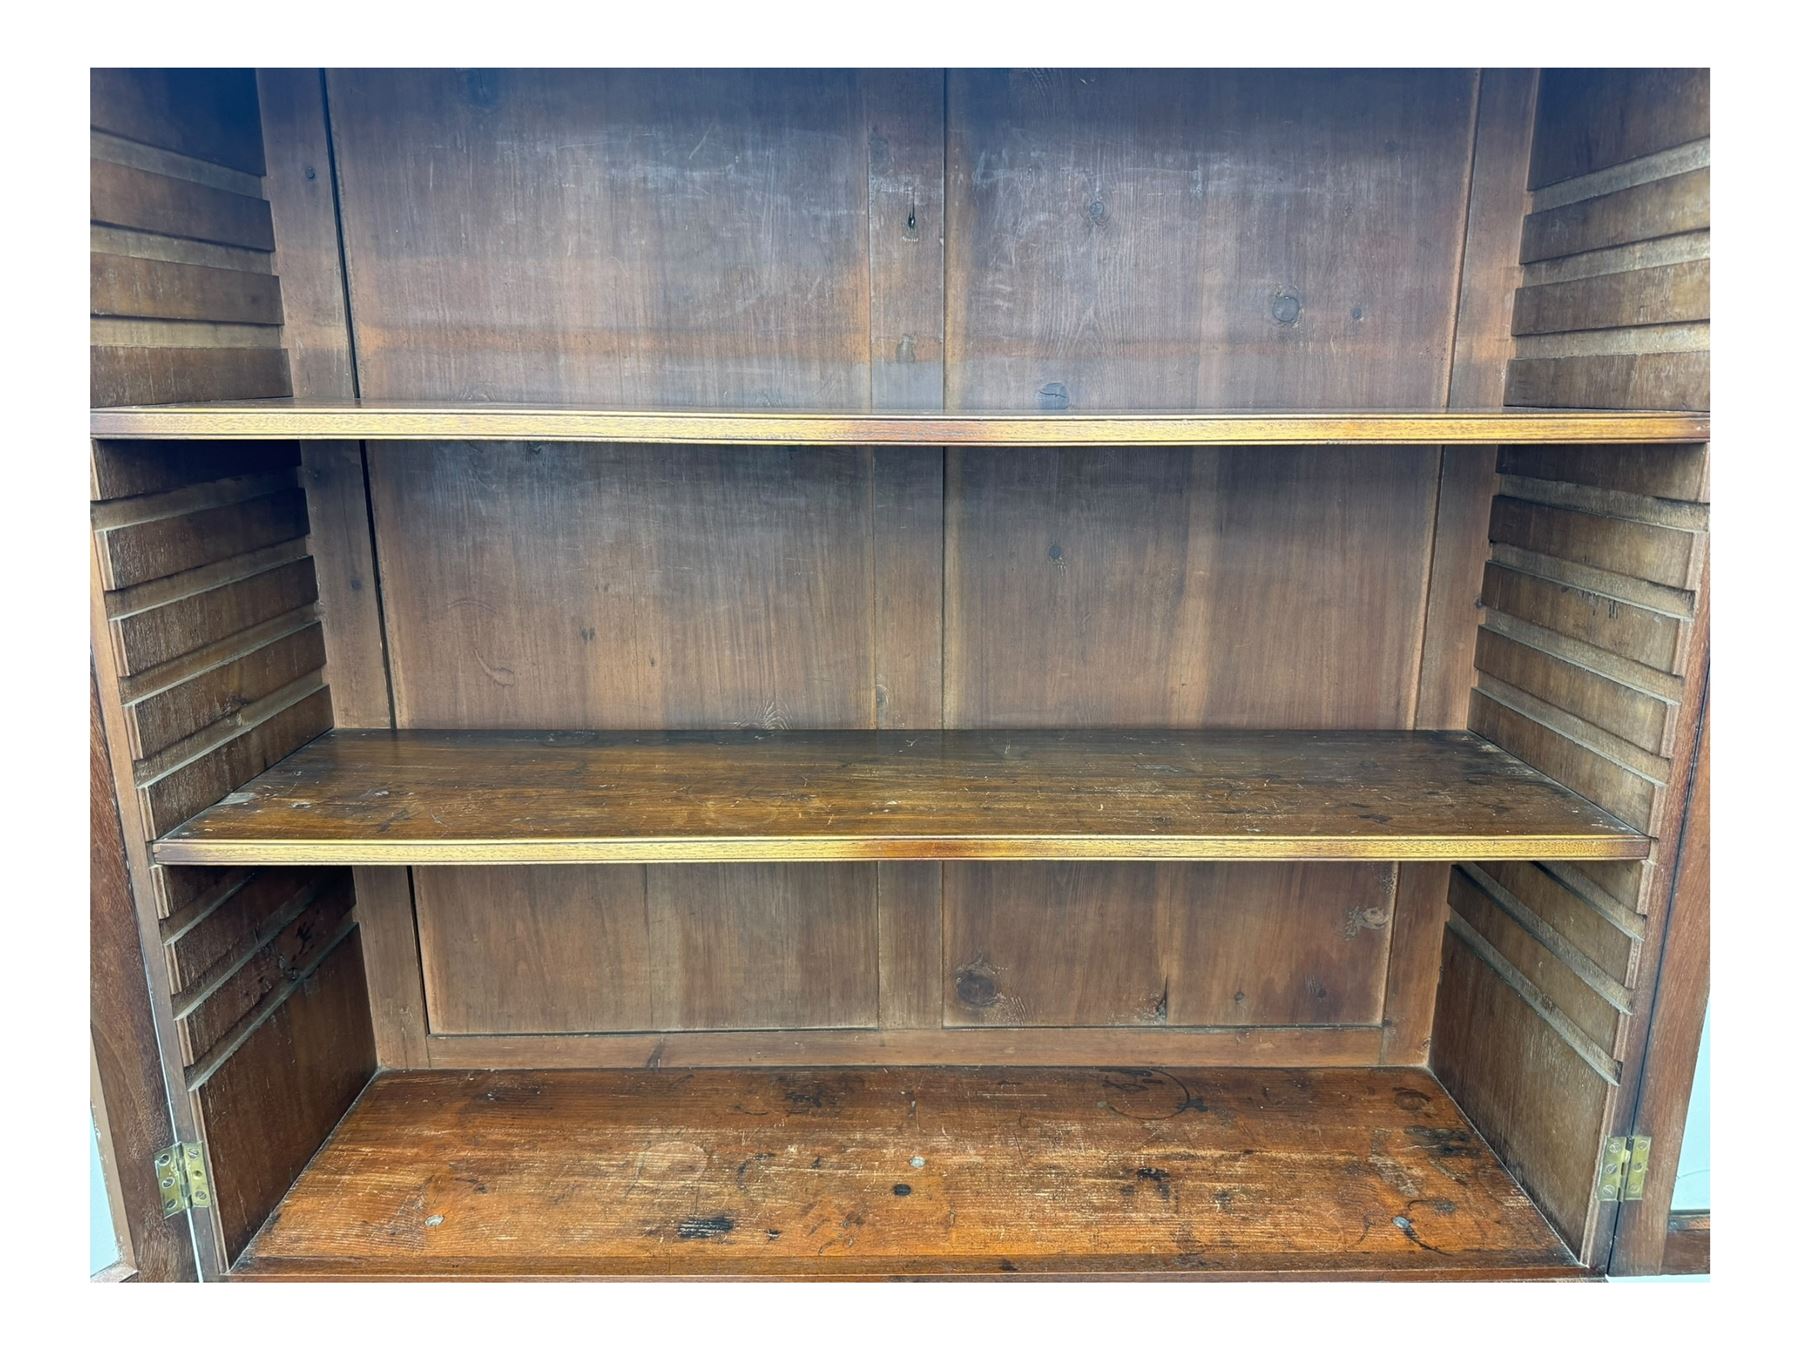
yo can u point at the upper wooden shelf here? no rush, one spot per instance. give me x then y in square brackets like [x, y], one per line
[293, 419]
[422, 797]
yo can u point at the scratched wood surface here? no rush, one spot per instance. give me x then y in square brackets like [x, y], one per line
[422, 797]
[885, 1172]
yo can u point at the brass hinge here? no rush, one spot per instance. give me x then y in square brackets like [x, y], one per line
[1624, 1167]
[181, 1179]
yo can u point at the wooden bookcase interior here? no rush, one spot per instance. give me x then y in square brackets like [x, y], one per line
[683, 655]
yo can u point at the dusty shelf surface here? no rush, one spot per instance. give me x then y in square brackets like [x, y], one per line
[871, 1173]
[298, 419]
[424, 797]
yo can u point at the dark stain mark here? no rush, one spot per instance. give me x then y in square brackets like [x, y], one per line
[744, 1167]
[975, 986]
[1008, 1265]
[1129, 1085]
[771, 1233]
[356, 583]
[1404, 1224]
[903, 1189]
[813, 1097]
[1315, 989]
[1128, 1191]
[587, 634]
[1443, 1143]
[1159, 1178]
[817, 1163]
[1223, 1199]
[1407, 1099]
[716, 1226]
[1444, 1206]
[1238, 997]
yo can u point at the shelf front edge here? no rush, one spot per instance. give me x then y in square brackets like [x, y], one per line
[347, 422]
[368, 853]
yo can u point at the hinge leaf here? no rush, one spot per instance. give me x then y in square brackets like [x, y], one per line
[1624, 1168]
[181, 1179]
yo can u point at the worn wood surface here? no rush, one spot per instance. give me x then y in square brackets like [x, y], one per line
[288, 419]
[1593, 119]
[1646, 1243]
[1211, 1047]
[210, 114]
[390, 938]
[131, 1108]
[1415, 945]
[1040, 549]
[1687, 1250]
[905, 1172]
[622, 588]
[1172, 944]
[419, 797]
[1616, 299]
[1591, 657]
[207, 643]
[723, 220]
[267, 1106]
[1504, 121]
[524, 950]
[1177, 239]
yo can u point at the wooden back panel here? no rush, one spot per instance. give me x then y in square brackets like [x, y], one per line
[1592, 653]
[908, 240]
[209, 650]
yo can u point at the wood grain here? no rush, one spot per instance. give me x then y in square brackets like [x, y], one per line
[268, 1105]
[420, 797]
[893, 1172]
[1593, 119]
[523, 950]
[1042, 1047]
[210, 114]
[288, 419]
[1038, 944]
[131, 1109]
[1182, 239]
[147, 288]
[1414, 958]
[625, 588]
[722, 219]
[1208, 543]
[120, 194]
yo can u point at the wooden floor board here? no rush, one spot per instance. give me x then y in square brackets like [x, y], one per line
[917, 1172]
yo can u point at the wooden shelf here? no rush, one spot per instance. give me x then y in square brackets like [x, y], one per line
[422, 797]
[1326, 1173]
[292, 419]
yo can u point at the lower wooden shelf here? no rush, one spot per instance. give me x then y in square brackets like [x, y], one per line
[424, 797]
[872, 1173]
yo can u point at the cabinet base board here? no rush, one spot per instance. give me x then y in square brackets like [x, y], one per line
[906, 1173]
